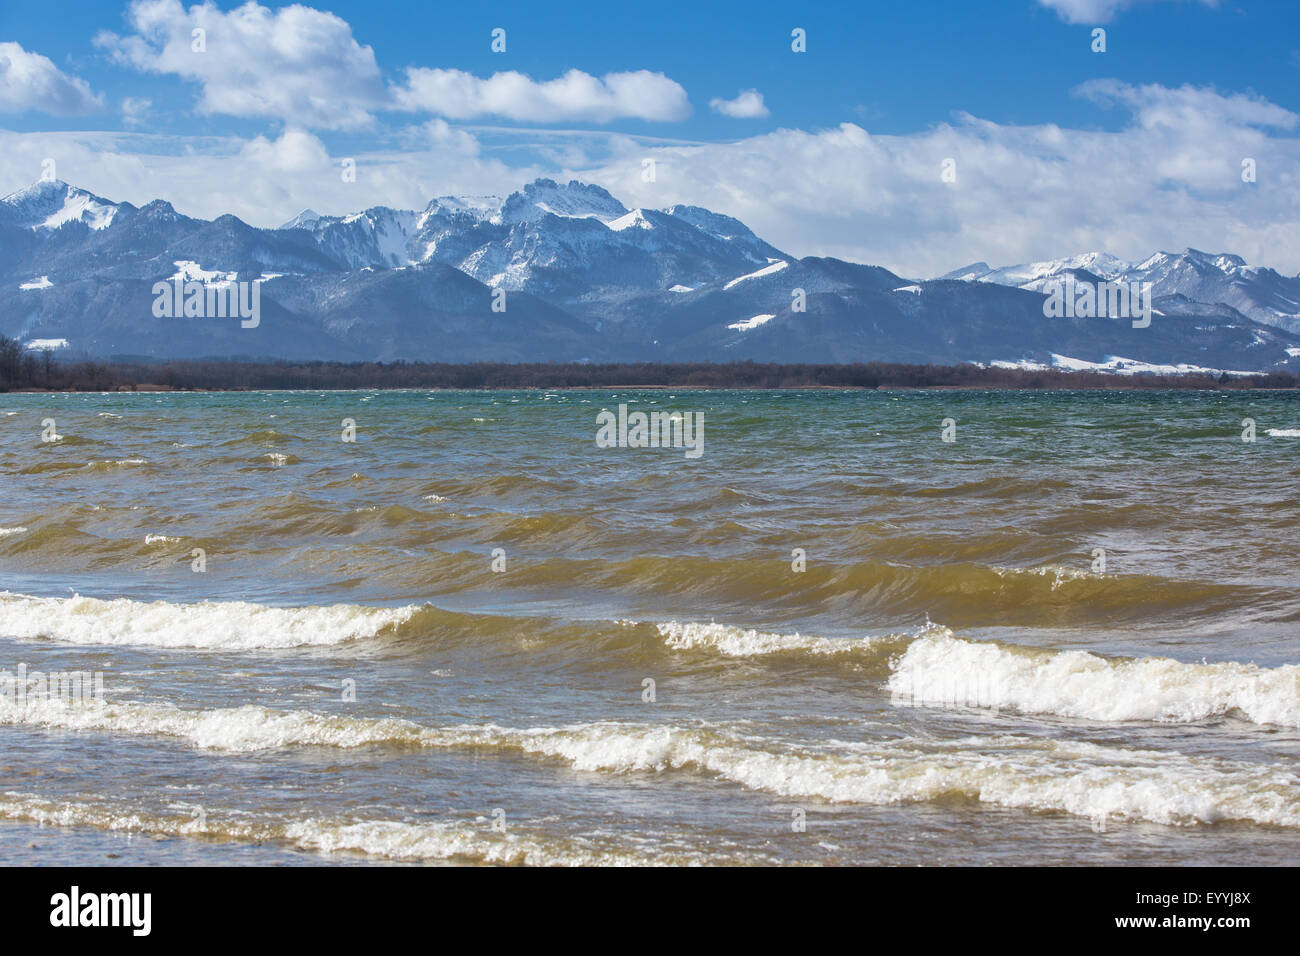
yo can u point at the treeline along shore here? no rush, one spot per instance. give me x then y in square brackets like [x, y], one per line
[25, 370]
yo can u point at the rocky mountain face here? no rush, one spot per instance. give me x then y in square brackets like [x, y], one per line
[1213, 278]
[566, 272]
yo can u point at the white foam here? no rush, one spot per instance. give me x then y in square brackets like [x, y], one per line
[739, 642]
[225, 625]
[1079, 684]
[1283, 432]
[386, 839]
[1020, 772]
[1035, 773]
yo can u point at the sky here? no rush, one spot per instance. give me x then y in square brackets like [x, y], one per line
[920, 136]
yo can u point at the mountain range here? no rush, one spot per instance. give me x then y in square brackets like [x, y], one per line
[566, 272]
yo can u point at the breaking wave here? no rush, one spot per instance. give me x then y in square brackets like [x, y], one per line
[224, 625]
[457, 842]
[1032, 773]
[940, 667]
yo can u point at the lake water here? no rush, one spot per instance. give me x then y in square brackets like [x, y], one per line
[472, 635]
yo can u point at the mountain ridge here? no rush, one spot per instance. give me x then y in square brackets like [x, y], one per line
[580, 276]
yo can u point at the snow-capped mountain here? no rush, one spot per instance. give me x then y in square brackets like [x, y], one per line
[567, 272]
[1031, 275]
[49, 204]
[553, 239]
[1259, 293]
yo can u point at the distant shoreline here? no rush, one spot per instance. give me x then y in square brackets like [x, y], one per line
[1123, 385]
[25, 373]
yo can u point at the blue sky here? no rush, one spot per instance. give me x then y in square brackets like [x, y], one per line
[1185, 90]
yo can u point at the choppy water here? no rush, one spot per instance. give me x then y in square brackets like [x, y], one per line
[952, 678]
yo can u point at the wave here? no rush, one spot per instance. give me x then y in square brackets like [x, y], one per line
[459, 842]
[733, 641]
[222, 625]
[114, 464]
[935, 668]
[241, 626]
[1031, 773]
[961, 595]
[941, 668]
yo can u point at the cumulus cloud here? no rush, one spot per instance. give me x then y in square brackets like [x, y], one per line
[304, 66]
[295, 64]
[747, 105]
[1169, 178]
[262, 180]
[29, 81]
[1097, 11]
[575, 96]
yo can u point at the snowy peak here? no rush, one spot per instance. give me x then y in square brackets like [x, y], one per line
[1032, 274]
[1211, 278]
[304, 220]
[636, 219]
[484, 208]
[51, 203]
[714, 223]
[573, 201]
[970, 273]
[1193, 260]
[160, 211]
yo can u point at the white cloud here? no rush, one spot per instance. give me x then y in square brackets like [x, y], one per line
[135, 110]
[296, 64]
[1097, 11]
[748, 104]
[1193, 110]
[29, 81]
[442, 134]
[263, 180]
[575, 96]
[1170, 178]
[304, 66]
[296, 151]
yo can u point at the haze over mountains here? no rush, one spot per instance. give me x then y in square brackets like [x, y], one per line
[586, 278]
